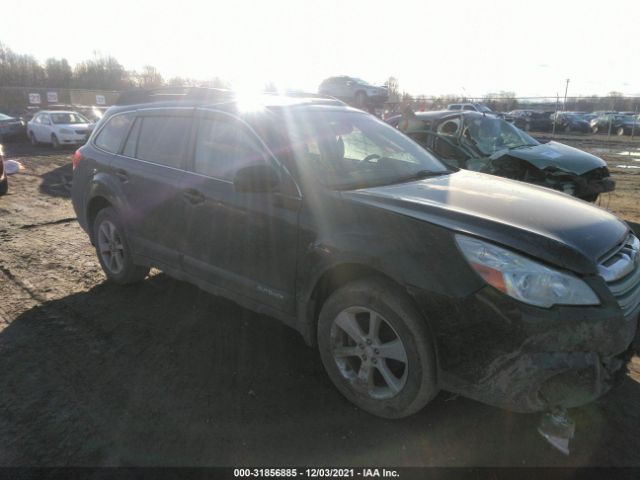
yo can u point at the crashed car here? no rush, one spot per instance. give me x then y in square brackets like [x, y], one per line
[409, 276]
[474, 141]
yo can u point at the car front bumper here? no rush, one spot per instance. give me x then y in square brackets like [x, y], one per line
[75, 139]
[525, 359]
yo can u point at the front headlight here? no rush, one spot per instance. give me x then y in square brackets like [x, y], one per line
[66, 131]
[523, 279]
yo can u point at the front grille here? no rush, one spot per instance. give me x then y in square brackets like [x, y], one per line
[621, 271]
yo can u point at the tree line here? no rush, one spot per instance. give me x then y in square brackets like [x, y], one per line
[102, 72]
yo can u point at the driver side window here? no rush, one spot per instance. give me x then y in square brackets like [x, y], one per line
[224, 146]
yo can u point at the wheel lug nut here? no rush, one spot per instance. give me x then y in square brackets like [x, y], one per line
[364, 357]
[361, 345]
[368, 341]
[376, 351]
[374, 361]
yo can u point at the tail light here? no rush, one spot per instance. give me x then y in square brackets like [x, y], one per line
[75, 160]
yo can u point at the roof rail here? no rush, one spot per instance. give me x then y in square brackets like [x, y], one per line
[131, 97]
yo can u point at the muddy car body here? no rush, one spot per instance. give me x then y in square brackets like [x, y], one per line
[571, 122]
[485, 144]
[376, 252]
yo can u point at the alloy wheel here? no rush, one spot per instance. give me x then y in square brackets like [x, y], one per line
[111, 247]
[369, 353]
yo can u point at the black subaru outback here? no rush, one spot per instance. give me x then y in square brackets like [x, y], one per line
[408, 275]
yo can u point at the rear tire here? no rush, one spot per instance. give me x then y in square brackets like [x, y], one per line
[4, 185]
[377, 349]
[113, 249]
[32, 139]
[54, 142]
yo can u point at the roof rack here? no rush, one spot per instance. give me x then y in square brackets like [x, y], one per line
[131, 97]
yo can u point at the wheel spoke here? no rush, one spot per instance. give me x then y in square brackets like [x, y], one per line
[104, 230]
[365, 376]
[112, 233]
[374, 326]
[347, 322]
[342, 352]
[389, 378]
[394, 350]
[118, 261]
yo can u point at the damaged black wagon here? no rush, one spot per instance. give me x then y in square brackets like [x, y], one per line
[491, 145]
[408, 275]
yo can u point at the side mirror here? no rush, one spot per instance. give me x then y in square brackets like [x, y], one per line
[256, 179]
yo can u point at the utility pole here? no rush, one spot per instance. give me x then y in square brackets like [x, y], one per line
[564, 105]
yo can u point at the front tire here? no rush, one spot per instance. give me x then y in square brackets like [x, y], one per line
[620, 131]
[594, 130]
[32, 139]
[54, 142]
[4, 185]
[376, 348]
[113, 250]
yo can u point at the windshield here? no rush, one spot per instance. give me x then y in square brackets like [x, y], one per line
[346, 150]
[68, 118]
[491, 134]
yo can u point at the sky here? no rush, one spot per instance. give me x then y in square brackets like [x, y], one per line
[432, 47]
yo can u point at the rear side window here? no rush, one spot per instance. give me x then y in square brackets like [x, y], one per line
[112, 134]
[469, 107]
[224, 146]
[163, 140]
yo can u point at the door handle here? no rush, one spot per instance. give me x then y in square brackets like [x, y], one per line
[122, 175]
[193, 196]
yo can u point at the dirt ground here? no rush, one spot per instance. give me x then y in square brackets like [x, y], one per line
[161, 373]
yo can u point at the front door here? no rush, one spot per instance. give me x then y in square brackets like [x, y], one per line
[244, 242]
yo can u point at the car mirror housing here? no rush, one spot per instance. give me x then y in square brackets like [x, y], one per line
[256, 179]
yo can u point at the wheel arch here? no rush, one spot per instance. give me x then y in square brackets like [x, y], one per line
[332, 278]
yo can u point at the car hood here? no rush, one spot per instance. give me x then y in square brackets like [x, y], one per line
[537, 221]
[558, 155]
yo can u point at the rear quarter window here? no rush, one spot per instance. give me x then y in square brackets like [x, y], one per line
[112, 134]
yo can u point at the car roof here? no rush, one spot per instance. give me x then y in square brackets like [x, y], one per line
[223, 100]
[438, 114]
[56, 111]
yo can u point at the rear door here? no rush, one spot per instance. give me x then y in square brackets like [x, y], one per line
[150, 170]
[243, 242]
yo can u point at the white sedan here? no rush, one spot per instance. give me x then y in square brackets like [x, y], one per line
[59, 128]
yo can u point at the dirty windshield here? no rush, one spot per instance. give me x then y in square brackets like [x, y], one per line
[490, 135]
[349, 150]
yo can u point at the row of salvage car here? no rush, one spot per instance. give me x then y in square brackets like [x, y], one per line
[488, 144]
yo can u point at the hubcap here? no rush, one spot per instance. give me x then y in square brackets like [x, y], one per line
[111, 247]
[369, 353]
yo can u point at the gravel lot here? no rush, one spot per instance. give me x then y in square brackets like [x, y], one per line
[162, 373]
